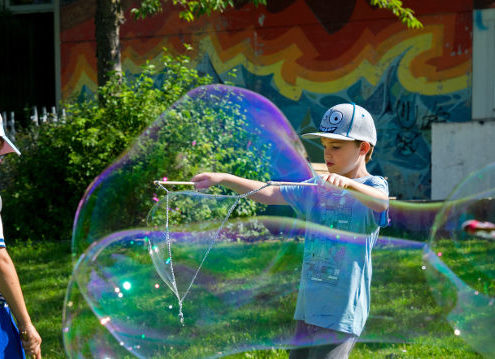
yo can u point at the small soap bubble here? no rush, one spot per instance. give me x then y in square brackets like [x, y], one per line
[127, 285]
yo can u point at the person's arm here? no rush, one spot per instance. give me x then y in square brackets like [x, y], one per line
[268, 195]
[371, 197]
[11, 290]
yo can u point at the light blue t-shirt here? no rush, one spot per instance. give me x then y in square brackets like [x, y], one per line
[334, 290]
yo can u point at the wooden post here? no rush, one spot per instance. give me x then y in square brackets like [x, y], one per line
[54, 114]
[11, 125]
[44, 115]
[34, 117]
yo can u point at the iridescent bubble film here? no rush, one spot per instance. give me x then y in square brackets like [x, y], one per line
[204, 131]
[242, 299]
[84, 335]
[170, 272]
[461, 259]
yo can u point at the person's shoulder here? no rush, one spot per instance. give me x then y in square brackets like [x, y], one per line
[378, 182]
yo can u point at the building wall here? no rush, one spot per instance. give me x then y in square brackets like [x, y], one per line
[483, 60]
[459, 149]
[307, 55]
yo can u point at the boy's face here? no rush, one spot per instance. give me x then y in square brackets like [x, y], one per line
[342, 157]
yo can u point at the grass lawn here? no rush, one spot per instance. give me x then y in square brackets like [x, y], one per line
[402, 305]
[44, 270]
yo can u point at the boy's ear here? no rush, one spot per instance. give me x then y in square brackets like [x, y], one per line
[364, 148]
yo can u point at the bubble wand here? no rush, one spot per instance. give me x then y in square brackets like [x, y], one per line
[269, 183]
[162, 184]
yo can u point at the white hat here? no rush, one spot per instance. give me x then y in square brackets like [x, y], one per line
[7, 146]
[347, 122]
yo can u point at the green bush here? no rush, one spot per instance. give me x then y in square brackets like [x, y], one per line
[42, 188]
[207, 132]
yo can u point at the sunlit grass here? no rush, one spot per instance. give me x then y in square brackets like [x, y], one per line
[402, 304]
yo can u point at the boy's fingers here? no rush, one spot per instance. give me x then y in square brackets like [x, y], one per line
[196, 178]
[336, 180]
[202, 183]
[331, 179]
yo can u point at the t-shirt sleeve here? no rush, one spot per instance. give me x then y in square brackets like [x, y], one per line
[381, 184]
[299, 197]
[2, 243]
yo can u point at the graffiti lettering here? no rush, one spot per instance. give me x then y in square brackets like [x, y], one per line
[406, 114]
[438, 115]
[406, 142]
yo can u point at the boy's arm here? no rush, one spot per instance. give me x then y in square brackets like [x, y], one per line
[268, 195]
[371, 197]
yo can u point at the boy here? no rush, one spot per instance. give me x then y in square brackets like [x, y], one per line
[334, 293]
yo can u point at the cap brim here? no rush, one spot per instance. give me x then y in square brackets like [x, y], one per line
[313, 135]
[8, 147]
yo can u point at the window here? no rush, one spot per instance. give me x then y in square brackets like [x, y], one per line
[29, 6]
[29, 2]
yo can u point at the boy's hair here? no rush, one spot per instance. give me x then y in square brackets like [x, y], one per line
[370, 152]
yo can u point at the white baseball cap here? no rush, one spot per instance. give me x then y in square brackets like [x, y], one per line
[348, 122]
[7, 146]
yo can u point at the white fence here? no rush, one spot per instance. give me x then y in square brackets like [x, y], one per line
[37, 118]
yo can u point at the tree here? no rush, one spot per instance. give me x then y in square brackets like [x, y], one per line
[109, 17]
[405, 15]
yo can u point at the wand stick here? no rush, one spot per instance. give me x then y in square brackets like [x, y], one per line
[272, 183]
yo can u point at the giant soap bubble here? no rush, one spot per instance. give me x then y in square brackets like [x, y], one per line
[213, 128]
[460, 259]
[169, 272]
[125, 274]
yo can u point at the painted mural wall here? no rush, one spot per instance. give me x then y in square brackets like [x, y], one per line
[308, 55]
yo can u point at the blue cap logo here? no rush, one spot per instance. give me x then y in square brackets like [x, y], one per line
[331, 121]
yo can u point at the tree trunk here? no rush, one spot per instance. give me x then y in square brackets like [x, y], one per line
[108, 18]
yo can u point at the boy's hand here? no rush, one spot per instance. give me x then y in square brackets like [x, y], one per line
[207, 179]
[337, 180]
